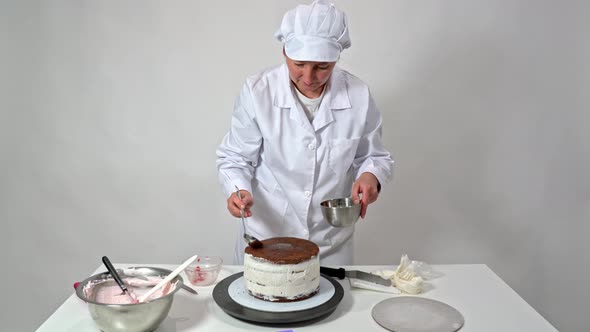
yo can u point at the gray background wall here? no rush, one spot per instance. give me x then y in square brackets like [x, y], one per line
[111, 112]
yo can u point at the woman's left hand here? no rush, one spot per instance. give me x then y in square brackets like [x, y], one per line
[368, 185]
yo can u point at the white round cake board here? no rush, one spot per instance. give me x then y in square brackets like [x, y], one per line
[416, 314]
[237, 291]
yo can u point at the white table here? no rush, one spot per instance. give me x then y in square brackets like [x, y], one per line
[486, 302]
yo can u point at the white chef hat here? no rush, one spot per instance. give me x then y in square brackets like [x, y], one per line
[315, 32]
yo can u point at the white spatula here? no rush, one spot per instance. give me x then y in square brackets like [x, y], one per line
[167, 279]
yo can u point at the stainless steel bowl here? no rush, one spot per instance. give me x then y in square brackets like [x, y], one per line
[141, 317]
[341, 212]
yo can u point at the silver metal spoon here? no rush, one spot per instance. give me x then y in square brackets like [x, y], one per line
[250, 240]
[188, 289]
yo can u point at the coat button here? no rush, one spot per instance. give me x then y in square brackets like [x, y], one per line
[308, 194]
[311, 146]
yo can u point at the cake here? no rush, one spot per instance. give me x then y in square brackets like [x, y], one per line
[285, 269]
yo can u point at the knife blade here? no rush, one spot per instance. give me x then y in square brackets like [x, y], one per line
[341, 273]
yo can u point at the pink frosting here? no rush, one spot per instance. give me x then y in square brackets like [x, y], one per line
[112, 293]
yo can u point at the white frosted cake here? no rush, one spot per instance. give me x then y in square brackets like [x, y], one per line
[285, 269]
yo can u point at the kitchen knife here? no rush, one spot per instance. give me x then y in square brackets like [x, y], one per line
[342, 273]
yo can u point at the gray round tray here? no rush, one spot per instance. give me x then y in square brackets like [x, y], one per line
[416, 314]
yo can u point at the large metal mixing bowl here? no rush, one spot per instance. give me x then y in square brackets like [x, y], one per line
[341, 212]
[141, 317]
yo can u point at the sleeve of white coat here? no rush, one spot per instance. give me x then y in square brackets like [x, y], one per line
[238, 152]
[371, 156]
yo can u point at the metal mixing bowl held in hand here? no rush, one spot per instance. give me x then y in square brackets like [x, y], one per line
[341, 212]
[141, 317]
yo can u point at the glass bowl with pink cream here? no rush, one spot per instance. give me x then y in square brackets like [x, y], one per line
[204, 270]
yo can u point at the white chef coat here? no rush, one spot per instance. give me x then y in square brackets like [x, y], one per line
[290, 165]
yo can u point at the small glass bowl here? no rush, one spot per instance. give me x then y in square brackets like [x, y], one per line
[204, 270]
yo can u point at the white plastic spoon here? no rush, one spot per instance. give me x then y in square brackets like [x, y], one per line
[167, 279]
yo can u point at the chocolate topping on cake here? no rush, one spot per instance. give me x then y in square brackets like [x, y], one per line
[285, 250]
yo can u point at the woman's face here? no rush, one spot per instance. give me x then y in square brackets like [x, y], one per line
[309, 77]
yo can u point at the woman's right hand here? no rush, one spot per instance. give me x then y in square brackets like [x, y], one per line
[234, 204]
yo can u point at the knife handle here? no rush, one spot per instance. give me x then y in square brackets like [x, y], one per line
[114, 273]
[338, 273]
